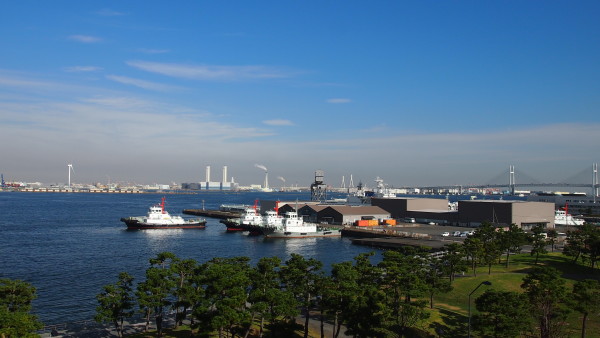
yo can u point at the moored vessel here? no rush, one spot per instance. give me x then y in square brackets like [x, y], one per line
[292, 226]
[159, 218]
[562, 217]
[247, 220]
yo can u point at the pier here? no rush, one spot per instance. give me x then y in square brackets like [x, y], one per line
[394, 237]
[212, 213]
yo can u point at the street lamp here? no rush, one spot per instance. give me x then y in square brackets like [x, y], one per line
[480, 284]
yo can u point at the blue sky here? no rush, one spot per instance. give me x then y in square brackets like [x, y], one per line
[419, 92]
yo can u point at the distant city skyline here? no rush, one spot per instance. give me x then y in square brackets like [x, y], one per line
[417, 93]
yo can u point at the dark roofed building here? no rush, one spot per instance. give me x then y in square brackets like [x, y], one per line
[310, 212]
[503, 213]
[344, 214]
[399, 207]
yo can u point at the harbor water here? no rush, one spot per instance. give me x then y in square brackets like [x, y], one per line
[68, 245]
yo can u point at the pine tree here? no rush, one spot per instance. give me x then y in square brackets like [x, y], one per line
[116, 302]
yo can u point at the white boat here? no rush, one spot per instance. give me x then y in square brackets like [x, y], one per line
[248, 220]
[159, 218]
[561, 217]
[251, 217]
[292, 226]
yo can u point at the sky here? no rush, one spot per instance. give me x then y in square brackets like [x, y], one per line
[414, 92]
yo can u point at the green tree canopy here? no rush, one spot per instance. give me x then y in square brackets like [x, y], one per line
[116, 302]
[15, 304]
[547, 294]
[586, 300]
[501, 314]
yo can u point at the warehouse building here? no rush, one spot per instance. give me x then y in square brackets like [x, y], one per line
[344, 214]
[503, 213]
[310, 213]
[470, 213]
[400, 207]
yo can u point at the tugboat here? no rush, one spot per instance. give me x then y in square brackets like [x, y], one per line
[562, 217]
[246, 221]
[159, 218]
[292, 226]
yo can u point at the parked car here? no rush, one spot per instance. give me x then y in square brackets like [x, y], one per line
[445, 234]
[456, 234]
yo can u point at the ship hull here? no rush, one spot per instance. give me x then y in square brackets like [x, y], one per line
[134, 223]
[320, 233]
[234, 225]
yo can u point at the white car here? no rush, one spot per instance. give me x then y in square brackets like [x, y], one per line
[445, 234]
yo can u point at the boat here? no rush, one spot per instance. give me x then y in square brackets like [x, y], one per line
[562, 217]
[159, 218]
[292, 226]
[247, 220]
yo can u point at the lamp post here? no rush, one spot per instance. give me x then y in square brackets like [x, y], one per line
[480, 284]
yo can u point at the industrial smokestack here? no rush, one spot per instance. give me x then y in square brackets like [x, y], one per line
[207, 173]
[224, 174]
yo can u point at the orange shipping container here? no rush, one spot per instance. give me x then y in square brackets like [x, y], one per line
[390, 221]
[373, 222]
[362, 223]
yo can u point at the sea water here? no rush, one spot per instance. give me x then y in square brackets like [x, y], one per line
[68, 245]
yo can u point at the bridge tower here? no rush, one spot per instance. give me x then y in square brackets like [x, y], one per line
[595, 184]
[318, 190]
[511, 179]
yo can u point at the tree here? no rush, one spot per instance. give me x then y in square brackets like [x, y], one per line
[490, 243]
[226, 282]
[403, 279]
[552, 237]
[15, 304]
[473, 249]
[299, 276]
[453, 260]
[538, 242]
[575, 244]
[183, 289]
[342, 294]
[435, 279]
[116, 302]
[501, 314]
[591, 242]
[153, 293]
[368, 312]
[267, 299]
[586, 300]
[546, 292]
[512, 240]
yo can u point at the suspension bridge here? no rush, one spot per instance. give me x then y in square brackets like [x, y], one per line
[587, 178]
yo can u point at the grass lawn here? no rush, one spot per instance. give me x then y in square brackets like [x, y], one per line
[451, 310]
[449, 317]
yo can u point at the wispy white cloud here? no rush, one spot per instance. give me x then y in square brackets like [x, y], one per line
[109, 12]
[49, 121]
[210, 72]
[140, 83]
[278, 122]
[339, 100]
[153, 51]
[85, 38]
[78, 69]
